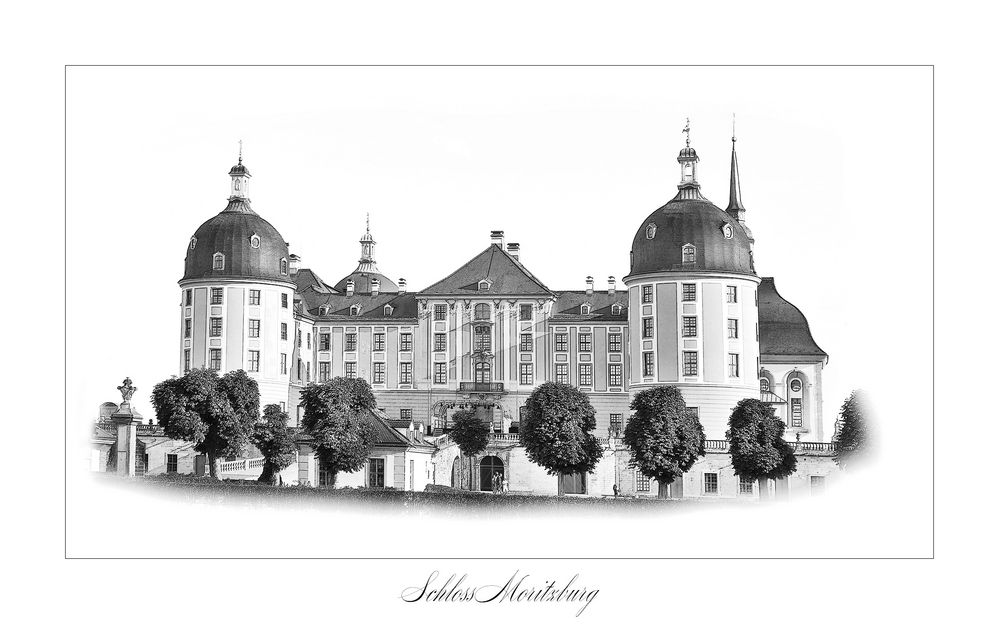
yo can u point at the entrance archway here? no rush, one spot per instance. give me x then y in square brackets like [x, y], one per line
[489, 466]
[456, 473]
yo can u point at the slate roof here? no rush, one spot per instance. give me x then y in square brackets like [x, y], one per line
[568, 307]
[783, 328]
[315, 293]
[508, 277]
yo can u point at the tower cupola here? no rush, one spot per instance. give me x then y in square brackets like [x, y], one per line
[688, 159]
[239, 175]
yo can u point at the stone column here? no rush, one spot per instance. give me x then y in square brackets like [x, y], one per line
[126, 421]
[307, 466]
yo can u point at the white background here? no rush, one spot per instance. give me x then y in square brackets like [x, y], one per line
[865, 188]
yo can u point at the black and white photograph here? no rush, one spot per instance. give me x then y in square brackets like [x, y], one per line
[504, 338]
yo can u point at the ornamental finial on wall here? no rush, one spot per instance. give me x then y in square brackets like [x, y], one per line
[127, 390]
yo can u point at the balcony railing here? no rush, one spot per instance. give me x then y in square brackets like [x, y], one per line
[799, 447]
[477, 386]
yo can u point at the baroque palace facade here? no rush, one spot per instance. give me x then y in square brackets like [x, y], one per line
[692, 312]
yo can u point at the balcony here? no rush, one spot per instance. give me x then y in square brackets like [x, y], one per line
[480, 387]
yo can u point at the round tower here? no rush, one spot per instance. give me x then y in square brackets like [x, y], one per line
[693, 315]
[237, 296]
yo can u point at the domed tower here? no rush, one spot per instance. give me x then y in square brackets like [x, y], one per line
[366, 276]
[237, 295]
[693, 315]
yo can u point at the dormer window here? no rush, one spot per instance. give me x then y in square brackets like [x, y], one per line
[727, 231]
[585, 308]
[194, 242]
[284, 266]
[218, 261]
[689, 254]
[388, 310]
[484, 284]
[650, 231]
[616, 309]
[255, 242]
[355, 310]
[324, 310]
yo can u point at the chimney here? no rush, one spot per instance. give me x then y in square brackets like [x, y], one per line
[374, 286]
[514, 250]
[294, 264]
[589, 284]
[402, 285]
[611, 285]
[350, 287]
[496, 238]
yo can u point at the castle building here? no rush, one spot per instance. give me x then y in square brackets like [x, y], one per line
[692, 313]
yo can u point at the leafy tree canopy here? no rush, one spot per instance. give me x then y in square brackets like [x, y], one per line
[276, 442]
[336, 414]
[665, 438]
[470, 433]
[216, 414]
[756, 442]
[853, 437]
[556, 429]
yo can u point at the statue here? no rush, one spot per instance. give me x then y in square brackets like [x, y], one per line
[127, 390]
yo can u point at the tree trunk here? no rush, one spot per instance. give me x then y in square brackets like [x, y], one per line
[471, 470]
[269, 475]
[764, 489]
[333, 479]
[561, 486]
[663, 489]
[213, 466]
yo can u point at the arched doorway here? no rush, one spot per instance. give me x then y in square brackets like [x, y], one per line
[456, 473]
[489, 466]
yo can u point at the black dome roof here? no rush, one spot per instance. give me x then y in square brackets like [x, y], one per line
[231, 232]
[694, 221]
[362, 283]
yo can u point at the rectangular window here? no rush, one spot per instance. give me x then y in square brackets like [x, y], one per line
[216, 296]
[284, 363]
[526, 343]
[215, 326]
[324, 342]
[440, 342]
[526, 312]
[617, 423]
[308, 372]
[406, 413]
[379, 342]
[324, 371]
[562, 373]
[284, 331]
[648, 364]
[376, 472]
[615, 374]
[406, 372]
[254, 366]
[188, 296]
[440, 372]
[731, 294]
[690, 363]
[483, 338]
[746, 486]
[796, 412]
[254, 328]
[690, 292]
[379, 374]
[187, 328]
[299, 337]
[733, 364]
[526, 374]
[586, 342]
[689, 326]
[817, 484]
[254, 297]
[586, 374]
[350, 342]
[308, 340]
[710, 482]
[647, 293]
[350, 370]
[187, 361]
[562, 342]
[648, 324]
[300, 369]
[405, 342]
[284, 408]
[284, 300]
[171, 463]
[642, 482]
[440, 312]
[614, 343]
[733, 328]
[215, 359]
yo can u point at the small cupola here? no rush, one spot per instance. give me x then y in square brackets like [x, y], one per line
[239, 179]
[589, 284]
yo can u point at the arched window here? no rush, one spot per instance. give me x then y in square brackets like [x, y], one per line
[388, 310]
[796, 399]
[218, 261]
[616, 309]
[795, 385]
[689, 254]
[650, 231]
[585, 308]
[764, 384]
[490, 466]
[355, 310]
[255, 242]
[483, 373]
[727, 231]
[194, 242]
[484, 284]
[284, 266]
[324, 310]
[482, 311]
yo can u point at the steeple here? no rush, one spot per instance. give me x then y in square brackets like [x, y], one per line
[735, 207]
[239, 186]
[367, 262]
[689, 188]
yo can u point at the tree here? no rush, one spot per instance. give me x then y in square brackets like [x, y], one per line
[216, 414]
[276, 442]
[665, 438]
[471, 434]
[556, 430]
[335, 414]
[853, 435]
[756, 443]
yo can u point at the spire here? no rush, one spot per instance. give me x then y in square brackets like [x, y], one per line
[239, 186]
[735, 208]
[689, 188]
[367, 262]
